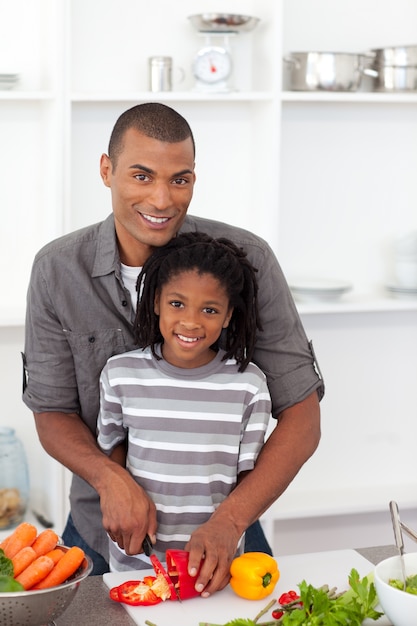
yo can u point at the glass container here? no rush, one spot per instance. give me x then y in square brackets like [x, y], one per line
[14, 479]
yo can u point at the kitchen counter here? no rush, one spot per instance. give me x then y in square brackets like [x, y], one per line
[93, 606]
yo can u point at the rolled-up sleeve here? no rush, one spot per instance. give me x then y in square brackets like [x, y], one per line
[51, 383]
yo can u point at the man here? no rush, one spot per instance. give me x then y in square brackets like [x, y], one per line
[80, 311]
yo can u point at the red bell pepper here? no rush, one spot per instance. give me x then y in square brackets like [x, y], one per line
[177, 565]
[135, 593]
[174, 584]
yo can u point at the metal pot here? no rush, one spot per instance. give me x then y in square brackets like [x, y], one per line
[393, 78]
[398, 56]
[326, 71]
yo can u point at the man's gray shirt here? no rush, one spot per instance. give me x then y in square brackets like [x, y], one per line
[79, 314]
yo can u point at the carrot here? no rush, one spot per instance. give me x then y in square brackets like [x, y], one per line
[56, 554]
[23, 559]
[65, 567]
[22, 536]
[35, 572]
[45, 542]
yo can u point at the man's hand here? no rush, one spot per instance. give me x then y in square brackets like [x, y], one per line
[290, 444]
[128, 512]
[216, 543]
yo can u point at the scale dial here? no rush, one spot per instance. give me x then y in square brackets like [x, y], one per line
[212, 65]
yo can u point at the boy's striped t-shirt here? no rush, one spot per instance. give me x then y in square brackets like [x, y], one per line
[190, 433]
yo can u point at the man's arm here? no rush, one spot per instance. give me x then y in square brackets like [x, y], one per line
[128, 513]
[291, 443]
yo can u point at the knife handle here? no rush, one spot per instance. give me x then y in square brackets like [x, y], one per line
[147, 546]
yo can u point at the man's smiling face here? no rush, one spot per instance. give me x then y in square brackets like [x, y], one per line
[151, 186]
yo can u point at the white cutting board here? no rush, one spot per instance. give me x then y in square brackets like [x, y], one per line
[316, 568]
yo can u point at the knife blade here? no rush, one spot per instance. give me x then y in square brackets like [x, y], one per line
[147, 547]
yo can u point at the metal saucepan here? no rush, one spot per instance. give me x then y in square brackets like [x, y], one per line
[393, 78]
[326, 71]
[398, 56]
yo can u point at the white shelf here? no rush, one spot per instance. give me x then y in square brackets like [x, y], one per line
[346, 305]
[295, 504]
[358, 304]
[9, 319]
[172, 96]
[357, 97]
[12, 94]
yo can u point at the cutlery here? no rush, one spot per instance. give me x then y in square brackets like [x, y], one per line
[147, 546]
[399, 541]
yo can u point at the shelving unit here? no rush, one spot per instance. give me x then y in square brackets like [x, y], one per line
[360, 97]
[325, 178]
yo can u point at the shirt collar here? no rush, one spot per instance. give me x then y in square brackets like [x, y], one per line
[107, 259]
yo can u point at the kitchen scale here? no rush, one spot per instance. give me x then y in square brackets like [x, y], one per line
[213, 65]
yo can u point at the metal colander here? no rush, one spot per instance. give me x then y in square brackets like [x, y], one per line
[40, 608]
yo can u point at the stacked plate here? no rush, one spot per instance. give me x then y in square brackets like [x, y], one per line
[7, 81]
[396, 291]
[319, 290]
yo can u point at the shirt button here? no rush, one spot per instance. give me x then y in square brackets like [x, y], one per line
[124, 302]
[91, 339]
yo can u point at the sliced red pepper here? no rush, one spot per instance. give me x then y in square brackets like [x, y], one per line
[135, 593]
[159, 570]
[176, 584]
[114, 594]
[177, 565]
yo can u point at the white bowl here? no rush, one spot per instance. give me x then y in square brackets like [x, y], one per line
[399, 606]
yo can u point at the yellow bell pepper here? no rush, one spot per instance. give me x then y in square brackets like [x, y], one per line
[254, 575]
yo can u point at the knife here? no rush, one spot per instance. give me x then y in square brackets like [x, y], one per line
[147, 547]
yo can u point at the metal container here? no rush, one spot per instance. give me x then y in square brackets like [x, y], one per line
[398, 56]
[393, 78]
[37, 608]
[223, 22]
[324, 71]
[160, 74]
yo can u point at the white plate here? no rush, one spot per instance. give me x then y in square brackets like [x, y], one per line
[7, 81]
[318, 290]
[402, 292]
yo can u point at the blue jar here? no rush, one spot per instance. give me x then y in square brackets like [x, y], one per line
[14, 479]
